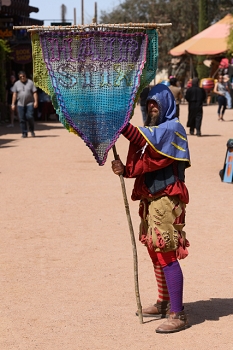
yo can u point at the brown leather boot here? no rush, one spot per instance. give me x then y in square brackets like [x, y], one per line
[176, 321]
[158, 310]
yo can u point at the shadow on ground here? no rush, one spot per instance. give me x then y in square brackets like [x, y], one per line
[4, 130]
[3, 142]
[204, 135]
[204, 310]
[207, 135]
[208, 310]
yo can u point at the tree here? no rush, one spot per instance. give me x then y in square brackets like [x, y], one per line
[203, 71]
[217, 9]
[230, 41]
[182, 15]
[182, 18]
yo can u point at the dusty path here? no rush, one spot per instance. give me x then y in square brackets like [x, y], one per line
[66, 257]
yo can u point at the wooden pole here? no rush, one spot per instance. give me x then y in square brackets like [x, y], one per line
[83, 27]
[135, 258]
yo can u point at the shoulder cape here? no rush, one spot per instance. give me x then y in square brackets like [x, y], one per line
[168, 139]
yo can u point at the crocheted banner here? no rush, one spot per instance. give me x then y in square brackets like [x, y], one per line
[93, 79]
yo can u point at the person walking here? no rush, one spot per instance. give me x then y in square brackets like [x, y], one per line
[158, 156]
[227, 94]
[220, 89]
[9, 99]
[25, 95]
[177, 93]
[142, 101]
[195, 96]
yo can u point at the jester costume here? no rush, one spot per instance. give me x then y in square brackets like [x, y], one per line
[157, 158]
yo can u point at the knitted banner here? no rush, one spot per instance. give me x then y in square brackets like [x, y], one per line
[93, 79]
[149, 70]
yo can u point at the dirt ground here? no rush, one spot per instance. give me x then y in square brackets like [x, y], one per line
[66, 259]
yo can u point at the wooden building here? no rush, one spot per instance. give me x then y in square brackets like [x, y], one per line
[17, 13]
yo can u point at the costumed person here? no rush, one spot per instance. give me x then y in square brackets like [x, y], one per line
[26, 97]
[177, 93]
[220, 90]
[195, 96]
[158, 156]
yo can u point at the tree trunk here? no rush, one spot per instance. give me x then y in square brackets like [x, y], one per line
[203, 71]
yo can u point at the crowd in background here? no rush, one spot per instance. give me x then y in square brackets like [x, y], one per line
[198, 93]
[195, 93]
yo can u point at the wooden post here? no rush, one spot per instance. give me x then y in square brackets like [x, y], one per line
[82, 11]
[95, 16]
[135, 258]
[74, 16]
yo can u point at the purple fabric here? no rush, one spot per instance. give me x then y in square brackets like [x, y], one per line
[174, 279]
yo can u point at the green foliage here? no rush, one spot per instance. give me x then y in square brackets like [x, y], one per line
[4, 50]
[203, 15]
[230, 42]
[182, 14]
[4, 46]
[217, 9]
[182, 18]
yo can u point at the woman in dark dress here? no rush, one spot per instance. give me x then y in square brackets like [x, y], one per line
[196, 97]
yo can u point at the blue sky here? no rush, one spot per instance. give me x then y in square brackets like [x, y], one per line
[51, 9]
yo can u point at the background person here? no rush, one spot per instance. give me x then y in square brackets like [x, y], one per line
[195, 96]
[142, 101]
[177, 93]
[227, 83]
[9, 100]
[25, 95]
[220, 90]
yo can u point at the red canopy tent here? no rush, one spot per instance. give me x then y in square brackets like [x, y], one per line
[211, 41]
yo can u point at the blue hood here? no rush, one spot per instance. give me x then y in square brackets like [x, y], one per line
[169, 136]
[166, 102]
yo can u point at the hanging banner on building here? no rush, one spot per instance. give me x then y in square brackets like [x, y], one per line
[6, 33]
[22, 54]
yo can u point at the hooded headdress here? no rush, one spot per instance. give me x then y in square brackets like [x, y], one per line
[168, 137]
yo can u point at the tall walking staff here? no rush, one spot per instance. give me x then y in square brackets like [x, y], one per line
[86, 69]
[132, 236]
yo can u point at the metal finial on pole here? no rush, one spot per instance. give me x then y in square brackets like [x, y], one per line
[135, 258]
